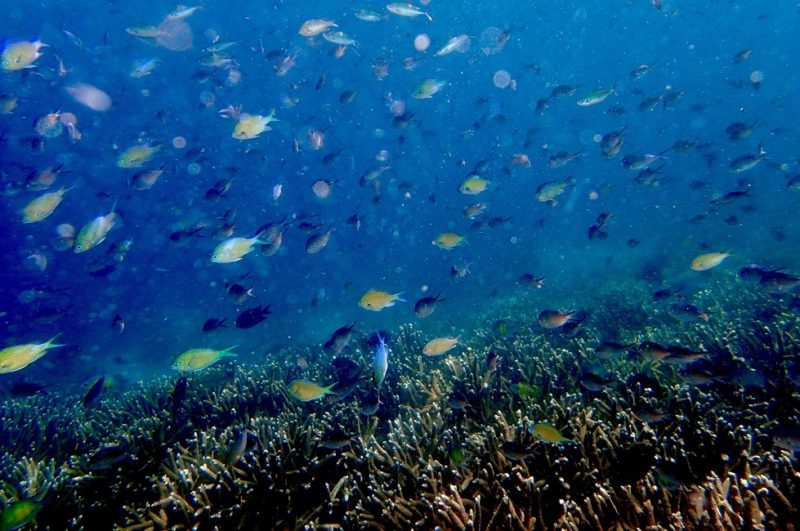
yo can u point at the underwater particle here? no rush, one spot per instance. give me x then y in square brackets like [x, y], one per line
[422, 42]
[194, 168]
[20, 54]
[492, 40]
[18, 357]
[306, 391]
[49, 126]
[376, 300]
[250, 126]
[41, 207]
[200, 358]
[19, 514]
[35, 262]
[440, 345]
[322, 188]
[90, 96]
[179, 142]
[548, 433]
[756, 77]
[707, 261]
[501, 79]
[315, 26]
[449, 240]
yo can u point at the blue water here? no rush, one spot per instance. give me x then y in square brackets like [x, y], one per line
[165, 292]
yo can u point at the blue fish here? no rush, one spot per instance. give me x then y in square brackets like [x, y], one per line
[381, 363]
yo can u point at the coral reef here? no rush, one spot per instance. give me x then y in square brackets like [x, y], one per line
[452, 445]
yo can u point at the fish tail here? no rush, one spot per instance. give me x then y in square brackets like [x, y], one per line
[428, 16]
[50, 343]
[227, 352]
[397, 297]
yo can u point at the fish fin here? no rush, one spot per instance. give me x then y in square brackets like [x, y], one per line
[227, 352]
[50, 343]
[398, 298]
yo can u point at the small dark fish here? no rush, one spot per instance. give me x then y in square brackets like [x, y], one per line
[492, 360]
[457, 400]
[688, 313]
[219, 190]
[355, 221]
[347, 370]
[348, 96]
[611, 143]
[591, 381]
[118, 323]
[109, 457]
[777, 282]
[336, 439]
[529, 280]
[730, 197]
[514, 450]
[563, 91]
[238, 292]
[755, 272]
[212, 324]
[178, 396]
[374, 340]
[653, 351]
[340, 339]
[498, 221]
[741, 56]
[370, 402]
[610, 349]
[682, 355]
[93, 396]
[252, 316]
[426, 305]
[24, 388]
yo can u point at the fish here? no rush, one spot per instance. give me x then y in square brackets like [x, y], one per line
[459, 43]
[370, 402]
[611, 143]
[237, 449]
[137, 156]
[380, 363]
[548, 433]
[317, 242]
[688, 313]
[528, 279]
[339, 37]
[596, 96]
[200, 358]
[653, 351]
[547, 192]
[43, 206]
[552, 319]
[17, 357]
[143, 67]
[179, 391]
[563, 158]
[252, 316]
[368, 15]
[23, 387]
[339, 339]
[95, 232]
[316, 26]
[18, 514]
[449, 241]
[376, 300]
[428, 89]
[234, 249]
[473, 185]
[440, 345]
[20, 55]
[425, 306]
[747, 162]
[212, 324]
[707, 261]
[92, 397]
[250, 126]
[306, 391]
[404, 9]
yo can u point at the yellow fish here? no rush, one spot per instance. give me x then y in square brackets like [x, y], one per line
[42, 206]
[19, 513]
[315, 26]
[306, 391]
[548, 433]
[94, 232]
[707, 261]
[440, 345]
[376, 300]
[200, 358]
[135, 156]
[449, 240]
[427, 89]
[234, 249]
[249, 126]
[18, 357]
[473, 185]
[19, 55]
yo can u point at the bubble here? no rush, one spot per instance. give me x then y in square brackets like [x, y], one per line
[422, 42]
[756, 76]
[514, 240]
[593, 196]
[501, 79]
[179, 142]
[383, 155]
[194, 168]
[597, 138]
[397, 107]
[424, 288]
